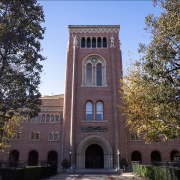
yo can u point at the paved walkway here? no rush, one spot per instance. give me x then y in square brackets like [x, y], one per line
[123, 176]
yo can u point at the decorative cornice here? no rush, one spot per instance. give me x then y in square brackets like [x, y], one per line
[94, 29]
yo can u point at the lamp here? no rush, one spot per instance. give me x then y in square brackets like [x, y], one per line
[118, 154]
[70, 153]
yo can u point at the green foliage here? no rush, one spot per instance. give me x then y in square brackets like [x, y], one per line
[32, 173]
[156, 173]
[65, 164]
[123, 162]
[20, 32]
[151, 88]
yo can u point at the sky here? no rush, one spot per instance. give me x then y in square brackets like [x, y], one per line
[59, 14]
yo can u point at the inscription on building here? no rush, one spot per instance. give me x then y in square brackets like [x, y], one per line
[94, 128]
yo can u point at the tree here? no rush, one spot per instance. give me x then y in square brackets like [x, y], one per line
[65, 164]
[20, 32]
[152, 89]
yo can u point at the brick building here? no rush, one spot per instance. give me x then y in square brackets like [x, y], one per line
[86, 119]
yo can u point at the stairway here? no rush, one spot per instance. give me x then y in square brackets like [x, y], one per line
[98, 170]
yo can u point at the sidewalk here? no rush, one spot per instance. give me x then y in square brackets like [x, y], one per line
[123, 176]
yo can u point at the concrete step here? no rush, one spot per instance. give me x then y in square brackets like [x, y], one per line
[98, 170]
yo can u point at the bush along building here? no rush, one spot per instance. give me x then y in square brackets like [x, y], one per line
[85, 125]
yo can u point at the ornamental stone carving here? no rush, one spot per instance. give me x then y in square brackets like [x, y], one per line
[75, 42]
[112, 41]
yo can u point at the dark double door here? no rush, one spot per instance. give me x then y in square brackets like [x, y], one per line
[94, 157]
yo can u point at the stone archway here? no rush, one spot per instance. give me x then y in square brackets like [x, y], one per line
[81, 150]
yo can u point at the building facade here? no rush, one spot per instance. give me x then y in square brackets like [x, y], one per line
[86, 120]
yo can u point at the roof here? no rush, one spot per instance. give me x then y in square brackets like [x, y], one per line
[94, 28]
[53, 101]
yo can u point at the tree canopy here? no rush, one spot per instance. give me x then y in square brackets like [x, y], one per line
[151, 87]
[20, 68]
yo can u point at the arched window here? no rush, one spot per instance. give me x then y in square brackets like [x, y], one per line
[99, 75]
[89, 111]
[83, 42]
[43, 117]
[32, 135]
[93, 42]
[51, 134]
[52, 118]
[39, 118]
[47, 117]
[99, 42]
[136, 156]
[99, 111]
[89, 75]
[18, 135]
[56, 136]
[155, 156]
[37, 135]
[34, 119]
[104, 42]
[57, 118]
[88, 42]
[134, 136]
[94, 71]
[33, 158]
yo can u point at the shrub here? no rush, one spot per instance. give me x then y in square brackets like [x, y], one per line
[65, 164]
[32, 173]
[123, 162]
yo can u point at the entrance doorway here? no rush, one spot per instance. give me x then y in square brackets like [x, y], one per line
[94, 156]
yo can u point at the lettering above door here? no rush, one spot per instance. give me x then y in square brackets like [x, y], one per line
[94, 128]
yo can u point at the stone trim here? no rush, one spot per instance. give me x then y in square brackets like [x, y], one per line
[92, 121]
[94, 29]
[94, 139]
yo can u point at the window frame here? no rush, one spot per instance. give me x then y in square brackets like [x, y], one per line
[135, 136]
[53, 136]
[33, 131]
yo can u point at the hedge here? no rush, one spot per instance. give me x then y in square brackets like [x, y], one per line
[156, 172]
[27, 173]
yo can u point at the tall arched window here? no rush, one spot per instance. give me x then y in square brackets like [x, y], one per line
[33, 158]
[37, 135]
[104, 42]
[99, 75]
[56, 135]
[39, 118]
[52, 118]
[99, 111]
[88, 42]
[32, 135]
[83, 42]
[89, 111]
[99, 42]
[51, 135]
[57, 118]
[89, 75]
[93, 42]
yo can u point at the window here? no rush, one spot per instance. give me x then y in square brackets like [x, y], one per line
[16, 135]
[89, 75]
[94, 72]
[57, 118]
[52, 118]
[89, 111]
[93, 42]
[99, 42]
[39, 118]
[35, 135]
[83, 42]
[53, 136]
[104, 42]
[34, 119]
[88, 42]
[47, 117]
[134, 136]
[99, 75]
[99, 111]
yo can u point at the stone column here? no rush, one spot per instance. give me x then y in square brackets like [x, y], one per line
[114, 100]
[73, 102]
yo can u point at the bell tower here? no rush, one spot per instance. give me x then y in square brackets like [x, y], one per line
[91, 114]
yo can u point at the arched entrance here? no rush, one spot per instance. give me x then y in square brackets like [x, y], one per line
[94, 140]
[155, 156]
[52, 157]
[136, 156]
[94, 157]
[13, 158]
[33, 158]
